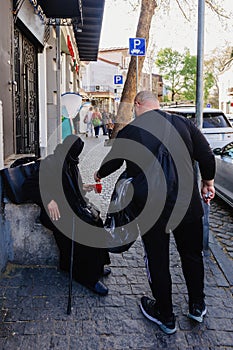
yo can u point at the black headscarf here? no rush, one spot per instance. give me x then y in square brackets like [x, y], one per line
[68, 151]
[55, 167]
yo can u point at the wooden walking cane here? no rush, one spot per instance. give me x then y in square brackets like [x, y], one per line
[71, 268]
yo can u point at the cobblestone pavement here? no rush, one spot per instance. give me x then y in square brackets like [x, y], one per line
[34, 298]
[221, 224]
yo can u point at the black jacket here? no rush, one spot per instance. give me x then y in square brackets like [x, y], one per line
[185, 143]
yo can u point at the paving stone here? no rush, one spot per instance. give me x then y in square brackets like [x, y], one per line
[224, 338]
[74, 328]
[12, 315]
[5, 330]
[45, 342]
[198, 338]
[13, 342]
[38, 327]
[2, 342]
[30, 342]
[219, 324]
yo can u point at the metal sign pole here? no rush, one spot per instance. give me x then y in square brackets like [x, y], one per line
[199, 107]
[200, 57]
[136, 74]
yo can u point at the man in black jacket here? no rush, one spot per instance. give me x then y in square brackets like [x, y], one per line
[172, 198]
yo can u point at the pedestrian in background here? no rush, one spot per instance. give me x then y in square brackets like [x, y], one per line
[88, 121]
[96, 120]
[105, 115]
[189, 232]
[76, 121]
[110, 126]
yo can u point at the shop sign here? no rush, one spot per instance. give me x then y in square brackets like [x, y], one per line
[38, 10]
[70, 47]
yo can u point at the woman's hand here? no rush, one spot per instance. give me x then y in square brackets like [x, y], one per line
[53, 209]
[88, 188]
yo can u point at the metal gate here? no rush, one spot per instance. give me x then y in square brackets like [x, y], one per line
[26, 95]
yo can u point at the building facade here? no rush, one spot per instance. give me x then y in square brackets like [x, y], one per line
[42, 48]
[226, 89]
[101, 85]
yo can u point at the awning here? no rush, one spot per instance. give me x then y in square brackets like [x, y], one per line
[88, 39]
[61, 8]
[87, 16]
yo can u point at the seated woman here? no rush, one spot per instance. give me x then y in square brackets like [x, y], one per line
[59, 197]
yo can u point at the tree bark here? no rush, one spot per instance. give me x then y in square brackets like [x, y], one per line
[125, 111]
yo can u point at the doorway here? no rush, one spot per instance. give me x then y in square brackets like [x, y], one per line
[26, 95]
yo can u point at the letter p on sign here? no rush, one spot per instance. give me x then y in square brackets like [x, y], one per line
[118, 79]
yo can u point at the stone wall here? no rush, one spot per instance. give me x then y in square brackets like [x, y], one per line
[26, 241]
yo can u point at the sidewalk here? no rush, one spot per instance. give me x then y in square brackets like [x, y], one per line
[33, 299]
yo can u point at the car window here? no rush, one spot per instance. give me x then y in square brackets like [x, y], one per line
[210, 120]
[228, 150]
[214, 120]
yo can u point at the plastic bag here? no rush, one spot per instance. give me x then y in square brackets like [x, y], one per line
[120, 221]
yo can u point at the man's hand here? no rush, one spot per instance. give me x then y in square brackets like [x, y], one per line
[53, 209]
[207, 190]
[96, 177]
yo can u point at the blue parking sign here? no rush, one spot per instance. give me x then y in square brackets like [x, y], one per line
[118, 79]
[137, 46]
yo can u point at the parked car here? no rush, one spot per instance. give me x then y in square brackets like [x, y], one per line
[224, 172]
[230, 118]
[216, 126]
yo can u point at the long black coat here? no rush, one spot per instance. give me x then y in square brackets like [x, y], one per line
[59, 179]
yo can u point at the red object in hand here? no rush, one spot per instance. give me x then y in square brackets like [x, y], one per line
[98, 187]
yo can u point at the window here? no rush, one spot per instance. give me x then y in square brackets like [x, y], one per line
[210, 120]
[228, 150]
[214, 120]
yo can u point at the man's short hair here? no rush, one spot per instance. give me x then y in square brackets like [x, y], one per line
[145, 96]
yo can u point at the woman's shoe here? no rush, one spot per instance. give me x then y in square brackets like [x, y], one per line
[100, 288]
[107, 270]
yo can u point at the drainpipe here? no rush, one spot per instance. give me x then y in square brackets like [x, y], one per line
[58, 81]
[43, 112]
[1, 138]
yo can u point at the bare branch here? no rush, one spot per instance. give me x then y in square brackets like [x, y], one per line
[212, 4]
[181, 9]
[217, 9]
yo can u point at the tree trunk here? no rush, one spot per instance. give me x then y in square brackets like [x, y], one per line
[124, 113]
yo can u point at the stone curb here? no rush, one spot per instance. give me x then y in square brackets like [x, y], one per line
[221, 258]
